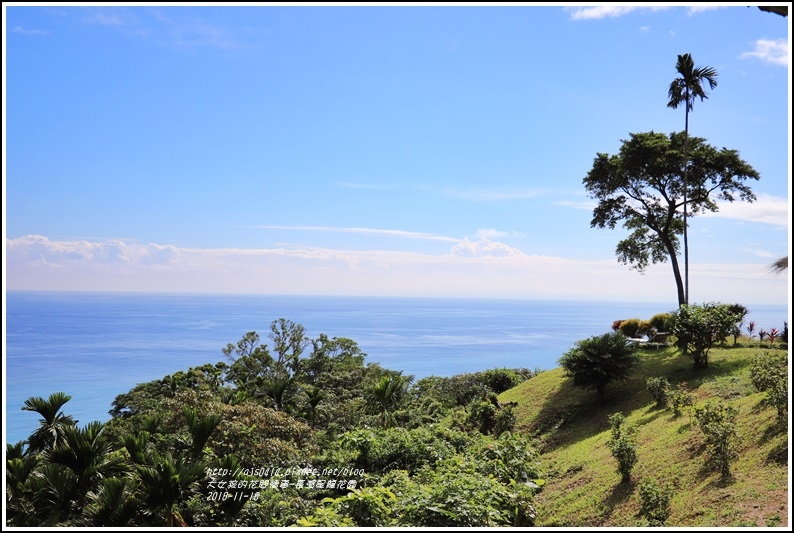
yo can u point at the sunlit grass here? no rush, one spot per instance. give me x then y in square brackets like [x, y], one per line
[583, 486]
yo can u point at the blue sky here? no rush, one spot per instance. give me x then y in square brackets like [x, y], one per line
[416, 151]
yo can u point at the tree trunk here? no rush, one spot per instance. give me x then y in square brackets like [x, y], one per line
[679, 282]
[686, 186]
[600, 393]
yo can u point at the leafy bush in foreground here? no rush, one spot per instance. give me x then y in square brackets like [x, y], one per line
[769, 373]
[718, 424]
[623, 445]
[659, 389]
[655, 501]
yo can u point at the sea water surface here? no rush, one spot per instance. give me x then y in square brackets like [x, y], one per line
[94, 346]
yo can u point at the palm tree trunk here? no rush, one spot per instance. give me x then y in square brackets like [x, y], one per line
[686, 173]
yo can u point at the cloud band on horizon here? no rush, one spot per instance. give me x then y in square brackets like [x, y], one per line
[35, 262]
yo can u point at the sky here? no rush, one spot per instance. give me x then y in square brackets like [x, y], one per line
[425, 150]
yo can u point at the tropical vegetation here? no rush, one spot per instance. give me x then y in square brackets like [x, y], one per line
[350, 443]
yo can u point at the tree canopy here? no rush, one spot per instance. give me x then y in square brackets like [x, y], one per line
[596, 362]
[642, 186]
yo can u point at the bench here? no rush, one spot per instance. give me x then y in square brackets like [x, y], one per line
[659, 340]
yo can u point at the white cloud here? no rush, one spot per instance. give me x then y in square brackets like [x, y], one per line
[489, 233]
[25, 31]
[605, 11]
[585, 205]
[763, 254]
[155, 25]
[490, 270]
[490, 195]
[483, 248]
[104, 18]
[368, 231]
[36, 249]
[765, 210]
[776, 52]
[611, 11]
[701, 8]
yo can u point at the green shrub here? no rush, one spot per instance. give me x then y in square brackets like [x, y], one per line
[655, 501]
[488, 416]
[718, 424]
[679, 398]
[596, 362]
[631, 327]
[511, 457]
[381, 450]
[659, 389]
[646, 328]
[623, 445]
[662, 322]
[698, 327]
[769, 373]
[460, 494]
[461, 389]
[368, 507]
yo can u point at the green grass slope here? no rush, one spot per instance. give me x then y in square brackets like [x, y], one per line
[583, 485]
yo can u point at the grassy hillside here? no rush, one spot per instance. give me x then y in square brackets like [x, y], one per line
[583, 486]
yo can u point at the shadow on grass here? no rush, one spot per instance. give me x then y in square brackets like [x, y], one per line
[779, 453]
[570, 414]
[719, 482]
[651, 416]
[710, 469]
[620, 493]
[698, 376]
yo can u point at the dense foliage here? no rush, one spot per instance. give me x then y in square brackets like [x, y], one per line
[303, 432]
[699, 327]
[296, 431]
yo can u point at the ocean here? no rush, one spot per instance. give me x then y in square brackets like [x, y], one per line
[94, 346]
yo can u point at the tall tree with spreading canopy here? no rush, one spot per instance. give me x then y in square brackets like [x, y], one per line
[684, 89]
[642, 187]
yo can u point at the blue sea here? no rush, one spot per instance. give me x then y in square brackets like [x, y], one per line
[94, 346]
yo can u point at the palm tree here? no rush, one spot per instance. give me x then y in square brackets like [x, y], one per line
[685, 89]
[53, 490]
[384, 396]
[167, 482]
[201, 428]
[87, 452]
[115, 504]
[50, 433]
[19, 467]
[779, 265]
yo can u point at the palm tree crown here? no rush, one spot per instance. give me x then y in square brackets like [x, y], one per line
[689, 85]
[53, 423]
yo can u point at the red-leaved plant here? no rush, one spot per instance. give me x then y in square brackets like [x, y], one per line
[773, 334]
[751, 331]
